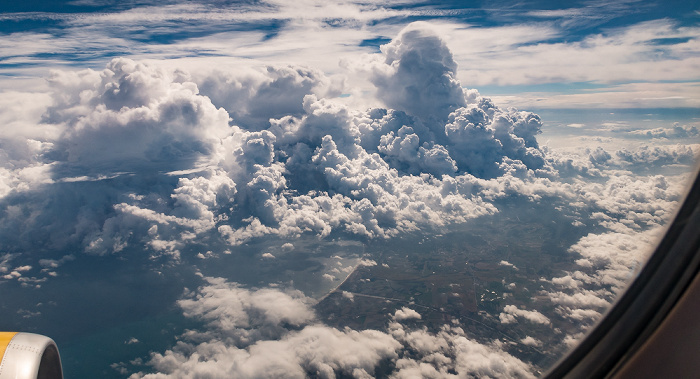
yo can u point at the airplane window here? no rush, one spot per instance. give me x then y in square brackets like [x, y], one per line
[393, 189]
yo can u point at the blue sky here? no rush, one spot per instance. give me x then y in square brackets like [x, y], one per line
[584, 54]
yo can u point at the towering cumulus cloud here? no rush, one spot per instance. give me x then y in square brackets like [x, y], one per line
[300, 164]
[320, 168]
[132, 115]
[419, 75]
[452, 129]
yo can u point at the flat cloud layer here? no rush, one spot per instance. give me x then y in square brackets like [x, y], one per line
[271, 334]
[142, 159]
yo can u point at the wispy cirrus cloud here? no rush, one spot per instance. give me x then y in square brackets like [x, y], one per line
[633, 63]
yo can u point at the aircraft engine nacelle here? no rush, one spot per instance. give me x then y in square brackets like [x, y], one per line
[28, 356]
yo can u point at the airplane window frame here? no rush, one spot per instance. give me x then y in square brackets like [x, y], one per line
[646, 303]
